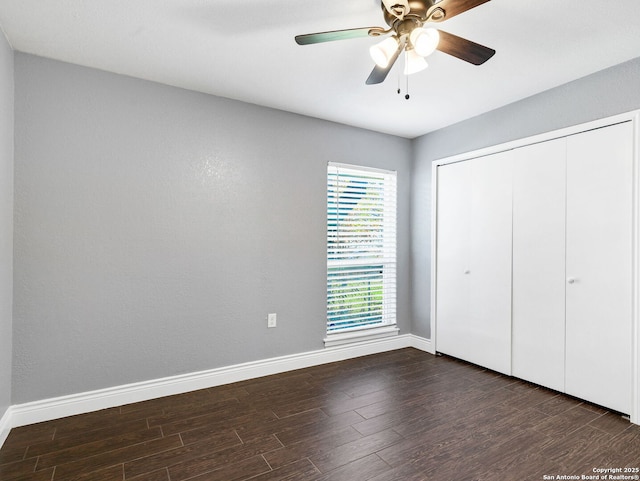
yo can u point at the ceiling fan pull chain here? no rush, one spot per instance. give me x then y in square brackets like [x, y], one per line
[407, 94]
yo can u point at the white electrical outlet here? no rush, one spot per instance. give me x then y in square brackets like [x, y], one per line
[271, 320]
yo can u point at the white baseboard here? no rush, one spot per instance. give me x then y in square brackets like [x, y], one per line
[5, 425]
[48, 409]
[422, 344]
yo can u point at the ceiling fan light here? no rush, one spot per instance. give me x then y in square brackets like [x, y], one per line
[382, 52]
[424, 40]
[413, 62]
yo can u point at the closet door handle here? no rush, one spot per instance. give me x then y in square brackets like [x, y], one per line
[571, 280]
[467, 271]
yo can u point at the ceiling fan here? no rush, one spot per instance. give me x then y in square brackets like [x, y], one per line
[406, 20]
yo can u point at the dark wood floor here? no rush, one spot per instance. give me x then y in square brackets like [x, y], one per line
[403, 415]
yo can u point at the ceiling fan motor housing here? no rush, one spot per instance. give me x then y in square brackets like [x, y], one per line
[396, 8]
[418, 9]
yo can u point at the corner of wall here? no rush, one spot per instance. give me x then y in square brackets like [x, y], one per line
[7, 95]
[5, 426]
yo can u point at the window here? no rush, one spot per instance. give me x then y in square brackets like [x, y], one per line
[361, 253]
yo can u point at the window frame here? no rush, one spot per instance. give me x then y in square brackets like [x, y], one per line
[386, 256]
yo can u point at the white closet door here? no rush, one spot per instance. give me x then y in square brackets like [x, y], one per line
[490, 261]
[538, 318]
[599, 270]
[473, 300]
[452, 262]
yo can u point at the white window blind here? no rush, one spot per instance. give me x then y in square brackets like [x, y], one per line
[361, 248]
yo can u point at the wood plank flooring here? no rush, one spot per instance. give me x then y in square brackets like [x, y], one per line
[403, 415]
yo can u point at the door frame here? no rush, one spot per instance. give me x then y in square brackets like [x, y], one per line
[632, 116]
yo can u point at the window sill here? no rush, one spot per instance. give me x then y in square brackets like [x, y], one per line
[341, 338]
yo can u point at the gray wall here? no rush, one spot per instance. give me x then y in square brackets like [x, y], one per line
[609, 92]
[6, 220]
[155, 228]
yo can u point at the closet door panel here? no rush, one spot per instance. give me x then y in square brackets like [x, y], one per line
[452, 291]
[538, 317]
[599, 266]
[473, 295]
[490, 261]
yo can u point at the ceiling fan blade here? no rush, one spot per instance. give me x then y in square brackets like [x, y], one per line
[378, 74]
[320, 37]
[464, 49]
[452, 8]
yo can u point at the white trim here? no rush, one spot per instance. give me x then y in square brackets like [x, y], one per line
[534, 139]
[635, 329]
[342, 338]
[434, 253]
[356, 167]
[632, 116]
[53, 408]
[423, 344]
[5, 425]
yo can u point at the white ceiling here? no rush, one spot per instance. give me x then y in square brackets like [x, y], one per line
[244, 49]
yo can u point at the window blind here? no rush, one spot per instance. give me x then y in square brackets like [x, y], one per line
[361, 248]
